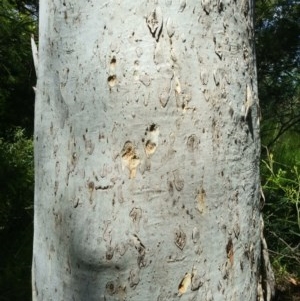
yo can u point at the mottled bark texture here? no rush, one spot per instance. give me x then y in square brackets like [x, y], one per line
[146, 152]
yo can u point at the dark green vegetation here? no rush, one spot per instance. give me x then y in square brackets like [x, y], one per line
[278, 60]
[278, 63]
[17, 76]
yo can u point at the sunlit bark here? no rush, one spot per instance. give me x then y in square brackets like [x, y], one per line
[146, 152]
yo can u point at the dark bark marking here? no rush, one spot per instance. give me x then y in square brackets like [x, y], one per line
[134, 278]
[109, 253]
[192, 142]
[180, 238]
[130, 158]
[155, 23]
[110, 288]
[229, 250]
[178, 181]
[141, 251]
[104, 187]
[113, 61]
[112, 80]
[170, 188]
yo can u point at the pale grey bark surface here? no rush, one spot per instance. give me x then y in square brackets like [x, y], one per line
[146, 152]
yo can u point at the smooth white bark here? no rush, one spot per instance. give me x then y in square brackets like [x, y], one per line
[146, 152]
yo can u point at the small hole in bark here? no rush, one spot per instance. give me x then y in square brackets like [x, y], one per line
[112, 80]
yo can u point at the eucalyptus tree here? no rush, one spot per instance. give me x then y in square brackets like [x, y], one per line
[147, 153]
[277, 34]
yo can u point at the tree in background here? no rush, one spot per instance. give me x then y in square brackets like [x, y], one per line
[16, 194]
[17, 22]
[278, 61]
[17, 73]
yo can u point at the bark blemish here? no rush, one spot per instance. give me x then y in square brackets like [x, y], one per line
[130, 158]
[56, 184]
[218, 45]
[236, 230]
[229, 250]
[155, 23]
[192, 142]
[136, 215]
[120, 194]
[121, 248]
[182, 5]
[113, 62]
[58, 217]
[217, 77]
[89, 146]
[206, 5]
[109, 253]
[134, 278]
[180, 238]
[204, 77]
[57, 168]
[150, 148]
[138, 245]
[151, 144]
[110, 288]
[91, 186]
[196, 281]
[104, 187]
[201, 200]
[184, 284]
[178, 181]
[164, 97]
[170, 28]
[145, 79]
[249, 101]
[112, 80]
[76, 203]
[170, 188]
[195, 235]
[91, 189]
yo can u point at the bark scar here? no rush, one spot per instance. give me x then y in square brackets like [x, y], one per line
[155, 23]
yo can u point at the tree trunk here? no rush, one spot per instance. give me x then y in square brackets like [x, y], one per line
[146, 152]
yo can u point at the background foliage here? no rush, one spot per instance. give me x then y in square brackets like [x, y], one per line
[17, 22]
[277, 24]
[278, 63]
